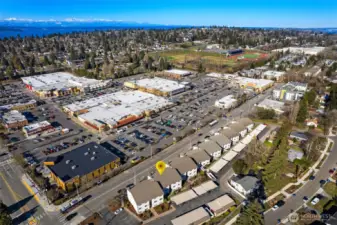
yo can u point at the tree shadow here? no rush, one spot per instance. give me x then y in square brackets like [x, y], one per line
[16, 206]
[24, 216]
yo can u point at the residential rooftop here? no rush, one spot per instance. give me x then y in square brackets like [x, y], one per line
[146, 191]
[220, 139]
[247, 182]
[168, 177]
[210, 147]
[183, 164]
[199, 155]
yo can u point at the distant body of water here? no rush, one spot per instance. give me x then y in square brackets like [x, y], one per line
[45, 31]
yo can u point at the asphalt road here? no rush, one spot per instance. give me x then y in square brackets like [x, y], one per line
[309, 189]
[24, 209]
[104, 192]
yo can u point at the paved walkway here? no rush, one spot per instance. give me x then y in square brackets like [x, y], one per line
[40, 196]
[302, 180]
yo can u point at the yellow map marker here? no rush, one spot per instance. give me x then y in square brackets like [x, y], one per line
[160, 166]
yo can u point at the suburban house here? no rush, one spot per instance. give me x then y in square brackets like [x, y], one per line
[145, 195]
[245, 185]
[222, 141]
[200, 157]
[212, 148]
[291, 91]
[294, 154]
[313, 71]
[248, 123]
[185, 166]
[239, 128]
[312, 122]
[170, 180]
[298, 136]
[231, 134]
[277, 106]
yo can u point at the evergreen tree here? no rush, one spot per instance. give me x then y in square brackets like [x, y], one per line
[251, 214]
[5, 217]
[162, 64]
[303, 111]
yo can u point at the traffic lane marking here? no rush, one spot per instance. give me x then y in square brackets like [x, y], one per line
[24, 208]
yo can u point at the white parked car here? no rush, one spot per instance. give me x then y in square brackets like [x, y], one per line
[275, 207]
[315, 201]
[118, 211]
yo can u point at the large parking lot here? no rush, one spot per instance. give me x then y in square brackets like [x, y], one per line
[193, 110]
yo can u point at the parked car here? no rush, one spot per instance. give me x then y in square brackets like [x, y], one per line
[71, 216]
[312, 177]
[118, 211]
[315, 201]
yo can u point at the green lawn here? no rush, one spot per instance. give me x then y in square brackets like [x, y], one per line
[279, 182]
[331, 189]
[272, 202]
[268, 144]
[320, 205]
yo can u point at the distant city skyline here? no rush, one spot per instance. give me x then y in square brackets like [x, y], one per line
[260, 13]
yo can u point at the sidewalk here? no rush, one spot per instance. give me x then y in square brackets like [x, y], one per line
[39, 195]
[302, 179]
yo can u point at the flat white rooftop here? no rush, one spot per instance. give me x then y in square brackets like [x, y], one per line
[35, 126]
[228, 98]
[257, 82]
[179, 72]
[218, 165]
[10, 106]
[197, 216]
[222, 76]
[161, 84]
[274, 73]
[184, 197]
[110, 108]
[223, 202]
[229, 155]
[300, 50]
[271, 104]
[60, 80]
[205, 187]
[13, 116]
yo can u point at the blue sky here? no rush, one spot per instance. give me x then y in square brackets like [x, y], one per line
[275, 13]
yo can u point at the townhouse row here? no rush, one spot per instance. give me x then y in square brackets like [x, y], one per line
[150, 193]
